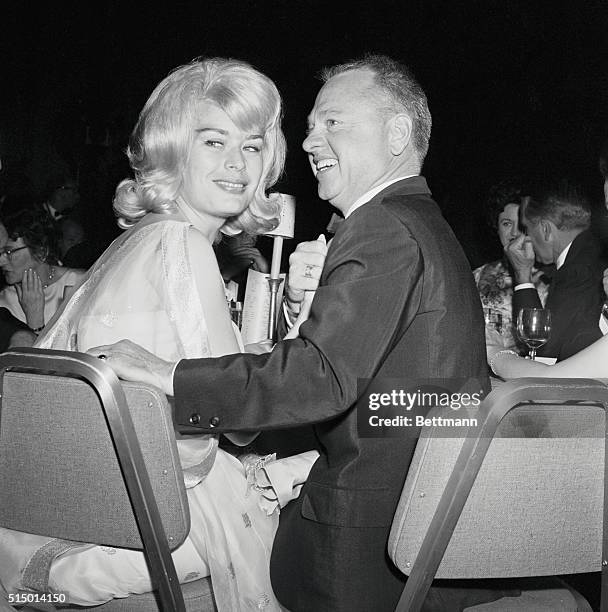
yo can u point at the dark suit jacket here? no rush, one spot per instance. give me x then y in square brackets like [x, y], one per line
[396, 300]
[575, 299]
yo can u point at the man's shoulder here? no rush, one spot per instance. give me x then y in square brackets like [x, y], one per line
[411, 204]
[412, 186]
[390, 218]
[373, 218]
[403, 200]
[417, 211]
[585, 254]
[407, 194]
[585, 246]
[405, 206]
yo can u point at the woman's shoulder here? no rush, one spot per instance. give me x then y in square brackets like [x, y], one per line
[159, 221]
[175, 231]
[8, 293]
[491, 269]
[68, 276]
[494, 282]
[168, 237]
[149, 229]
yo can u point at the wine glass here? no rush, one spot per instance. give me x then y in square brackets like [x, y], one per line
[534, 327]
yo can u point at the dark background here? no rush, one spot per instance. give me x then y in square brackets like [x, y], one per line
[515, 87]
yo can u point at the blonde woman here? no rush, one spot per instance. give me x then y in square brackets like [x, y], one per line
[207, 147]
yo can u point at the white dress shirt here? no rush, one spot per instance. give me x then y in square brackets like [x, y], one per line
[368, 195]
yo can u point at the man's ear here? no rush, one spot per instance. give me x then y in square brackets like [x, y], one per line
[399, 133]
[547, 229]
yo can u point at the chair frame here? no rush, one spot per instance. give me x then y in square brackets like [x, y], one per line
[512, 394]
[120, 425]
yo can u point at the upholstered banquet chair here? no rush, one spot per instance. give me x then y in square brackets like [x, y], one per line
[87, 459]
[520, 496]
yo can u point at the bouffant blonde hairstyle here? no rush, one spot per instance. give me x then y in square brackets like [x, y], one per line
[164, 134]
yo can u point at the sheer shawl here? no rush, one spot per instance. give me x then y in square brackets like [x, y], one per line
[142, 288]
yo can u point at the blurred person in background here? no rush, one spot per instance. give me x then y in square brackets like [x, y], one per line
[557, 226]
[494, 280]
[61, 195]
[13, 332]
[36, 285]
[75, 249]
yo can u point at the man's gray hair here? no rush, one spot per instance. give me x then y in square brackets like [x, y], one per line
[564, 203]
[399, 88]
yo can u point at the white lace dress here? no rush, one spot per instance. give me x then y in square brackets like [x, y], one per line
[143, 289]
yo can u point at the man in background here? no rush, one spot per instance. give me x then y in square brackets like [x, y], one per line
[557, 226]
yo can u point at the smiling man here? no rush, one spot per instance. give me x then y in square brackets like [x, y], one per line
[358, 140]
[396, 300]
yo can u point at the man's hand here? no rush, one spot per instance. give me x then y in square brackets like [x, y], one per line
[132, 362]
[520, 254]
[305, 266]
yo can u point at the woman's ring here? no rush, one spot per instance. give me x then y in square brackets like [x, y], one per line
[102, 357]
[308, 271]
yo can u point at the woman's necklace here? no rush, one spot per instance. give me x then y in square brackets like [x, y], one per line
[50, 277]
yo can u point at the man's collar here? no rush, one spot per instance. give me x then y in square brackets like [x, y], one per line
[580, 240]
[53, 211]
[366, 197]
[561, 258]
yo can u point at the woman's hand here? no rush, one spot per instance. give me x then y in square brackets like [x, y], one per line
[31, 297]
[246, 256]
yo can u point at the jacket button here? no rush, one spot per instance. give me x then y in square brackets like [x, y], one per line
[214, 421]
[195, 419]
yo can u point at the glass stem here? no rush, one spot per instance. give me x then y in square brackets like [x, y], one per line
[533, 353]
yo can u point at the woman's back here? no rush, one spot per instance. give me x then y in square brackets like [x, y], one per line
[142, 289]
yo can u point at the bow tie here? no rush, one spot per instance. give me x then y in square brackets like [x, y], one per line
[334, 223]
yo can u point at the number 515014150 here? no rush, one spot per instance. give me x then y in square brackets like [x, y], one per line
[25, 598]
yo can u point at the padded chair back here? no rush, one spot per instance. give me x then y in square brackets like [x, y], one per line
[519, 496]
[83, 458]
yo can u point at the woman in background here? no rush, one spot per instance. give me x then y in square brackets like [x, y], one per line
[494, 280]
[36, 285]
